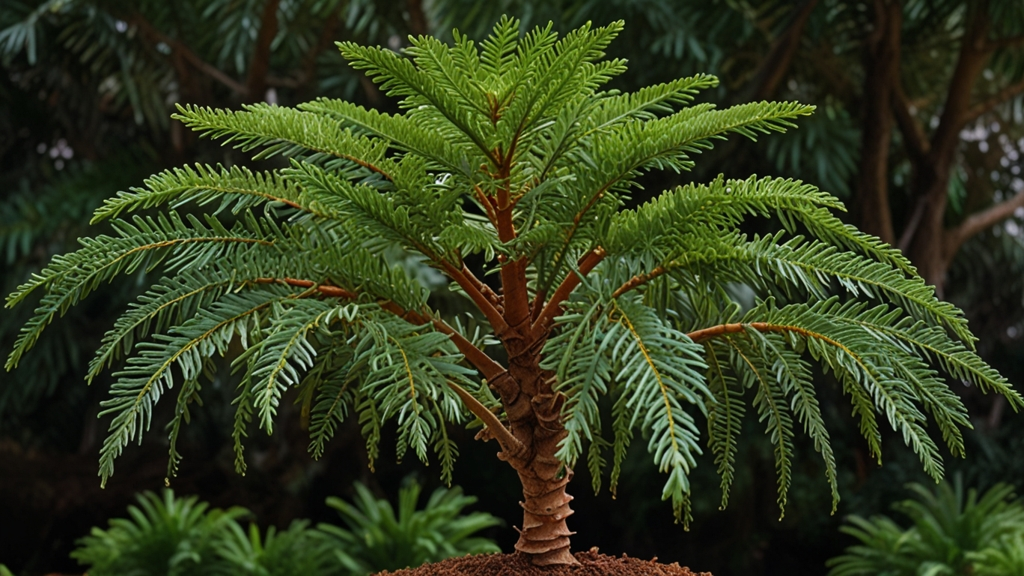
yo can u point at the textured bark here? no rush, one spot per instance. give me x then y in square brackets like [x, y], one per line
[534, 415]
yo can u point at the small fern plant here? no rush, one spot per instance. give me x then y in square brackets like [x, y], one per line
[953, 531]
[508, 171]
[164, 535]
[377, 539]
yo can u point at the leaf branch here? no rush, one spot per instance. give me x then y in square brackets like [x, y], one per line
[503, 435]
[638, 280]
[571, 281]
[487, 366]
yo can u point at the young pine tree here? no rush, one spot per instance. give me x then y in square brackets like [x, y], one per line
[510, 153]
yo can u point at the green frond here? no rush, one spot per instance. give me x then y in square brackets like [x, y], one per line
[444, 109]
[657, 368]
[140, 245]
[725, 414]
[169, 302]
[623, 436]
[369, 425]
[148, 374]
[794, 375]
[749, 361]
[289, 132]
[933, 343]
[722, 204]
[285, 351]
[399, 132]
[203, 185]
[444, 447]
[331, 387]
[243, 411]
[370, 211]
[862, 364]
[769, 263]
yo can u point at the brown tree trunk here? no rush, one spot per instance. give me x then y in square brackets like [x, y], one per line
[534, 414]
[927, 242]
[881, 66]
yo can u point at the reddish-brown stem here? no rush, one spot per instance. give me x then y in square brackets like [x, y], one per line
[513, 274]
[468, 282]
[722, 329]
[571, 281]
[638, 280]
[509, 443]
[487, 204]
[538, 304]
[326, 290]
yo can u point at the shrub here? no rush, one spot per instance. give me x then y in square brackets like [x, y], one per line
[376, 540]
[298, 550]
[163, 536]
[951, 534]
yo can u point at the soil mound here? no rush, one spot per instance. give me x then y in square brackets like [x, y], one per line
[592, 563]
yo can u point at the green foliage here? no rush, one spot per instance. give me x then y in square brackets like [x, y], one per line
[169, 535]
[513, 151]
[164, 535]
[297, 550]
[951, 532]
[377, 539]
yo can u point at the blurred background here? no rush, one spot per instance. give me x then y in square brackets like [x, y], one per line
[919, 130]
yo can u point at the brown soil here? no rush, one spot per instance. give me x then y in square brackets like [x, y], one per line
[592, 563]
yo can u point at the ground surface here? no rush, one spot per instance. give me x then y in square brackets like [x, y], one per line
[592, 563]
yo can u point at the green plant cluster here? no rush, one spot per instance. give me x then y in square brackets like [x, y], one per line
[952, 533]
[169, 535]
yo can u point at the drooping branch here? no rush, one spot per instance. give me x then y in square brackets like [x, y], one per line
[639, 280]
[325, 289]
[477, 292]
[989, 104]
[503, 435]
[571, 281]
[488, 367]
[723, 329]
[978, 222]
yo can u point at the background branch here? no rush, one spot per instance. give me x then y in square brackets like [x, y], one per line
[989, 104]
[979, 222]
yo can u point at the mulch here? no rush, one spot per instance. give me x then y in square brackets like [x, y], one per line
[592, 563]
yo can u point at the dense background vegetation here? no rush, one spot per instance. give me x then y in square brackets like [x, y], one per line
[919, 129]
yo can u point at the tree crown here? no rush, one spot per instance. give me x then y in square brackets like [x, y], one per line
[511, 153]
